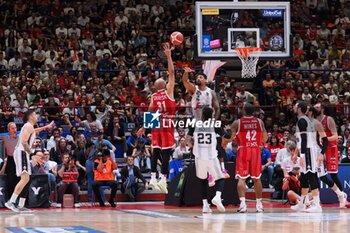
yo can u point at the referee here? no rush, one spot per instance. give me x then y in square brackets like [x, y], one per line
[10, 143]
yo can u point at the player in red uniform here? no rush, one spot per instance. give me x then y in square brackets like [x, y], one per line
[250, 134]
[163, 140]
[331, 164]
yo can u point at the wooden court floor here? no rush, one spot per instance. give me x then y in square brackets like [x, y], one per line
[155, 217]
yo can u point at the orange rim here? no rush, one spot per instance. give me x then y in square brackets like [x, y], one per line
[245, 52]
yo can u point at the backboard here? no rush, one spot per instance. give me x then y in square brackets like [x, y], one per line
[223, 26]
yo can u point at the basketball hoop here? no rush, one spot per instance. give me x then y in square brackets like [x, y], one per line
[249, 58]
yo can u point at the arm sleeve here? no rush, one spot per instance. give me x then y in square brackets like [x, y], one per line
[190, 132]
[324, 145]
[302, 125]
[220, 131]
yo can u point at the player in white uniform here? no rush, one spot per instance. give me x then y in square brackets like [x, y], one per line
[206, 159]
[311, 156]
[21, 156]
[203, 96]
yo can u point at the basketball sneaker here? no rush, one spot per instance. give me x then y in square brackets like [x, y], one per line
[226, 175]
[242, 208]
[24, 210]
[259, 208]
[343, 200]
[206, 209]
[162, 185]
[11, 206]
[314, 208]
[218, 203]
[299, 207]
[211, 181]
[154, 184]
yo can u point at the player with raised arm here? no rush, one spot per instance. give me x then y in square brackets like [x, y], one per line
[250, 134]
[311, 156]
[331, 164]
[206, 159]
[203, 96]
[21, 156]
[163, 139]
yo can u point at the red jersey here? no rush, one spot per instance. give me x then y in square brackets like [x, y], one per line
[328, 132]
[249, 133]
[164, 103]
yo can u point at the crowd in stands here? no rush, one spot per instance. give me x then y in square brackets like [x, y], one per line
[90, 67]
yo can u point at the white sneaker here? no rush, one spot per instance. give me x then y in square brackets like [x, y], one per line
[206, 209]
[242, 208]
[343, 200]
[259, 208]
[218, 203]
[299, 207]
[154, 184]
[77, 205]
[314, 208]
[58, 205]
[11, 206]
[25, 210]
[163, 186]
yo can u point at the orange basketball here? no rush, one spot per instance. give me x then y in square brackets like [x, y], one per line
[176, 38]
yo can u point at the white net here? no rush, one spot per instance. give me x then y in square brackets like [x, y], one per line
[248, 62]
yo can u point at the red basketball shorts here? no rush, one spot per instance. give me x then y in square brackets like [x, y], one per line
[332, 159]
[248, 163]
[163, 138]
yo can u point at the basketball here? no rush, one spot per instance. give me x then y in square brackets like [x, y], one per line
[176, 38]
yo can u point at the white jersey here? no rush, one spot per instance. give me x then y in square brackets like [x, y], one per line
[20, 156]
[31, 139]
[312, 148]
[201, 99]
[204, 147]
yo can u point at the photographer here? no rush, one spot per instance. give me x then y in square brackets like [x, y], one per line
[291, 171]
[104, 176]
[292, 184]
[142, 156]
[67, 165]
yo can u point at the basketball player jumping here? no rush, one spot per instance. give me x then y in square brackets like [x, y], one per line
[203, 96]
[331, 164]
[163, 139]
[21, 156]
[311, 157]
[250, 134]
[206, 159]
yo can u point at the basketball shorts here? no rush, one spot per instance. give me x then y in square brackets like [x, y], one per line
[22, 162]
[163, 138]
[211, 166]
[309, 161]
[248, 163]
[332, 159]
[322, 169]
